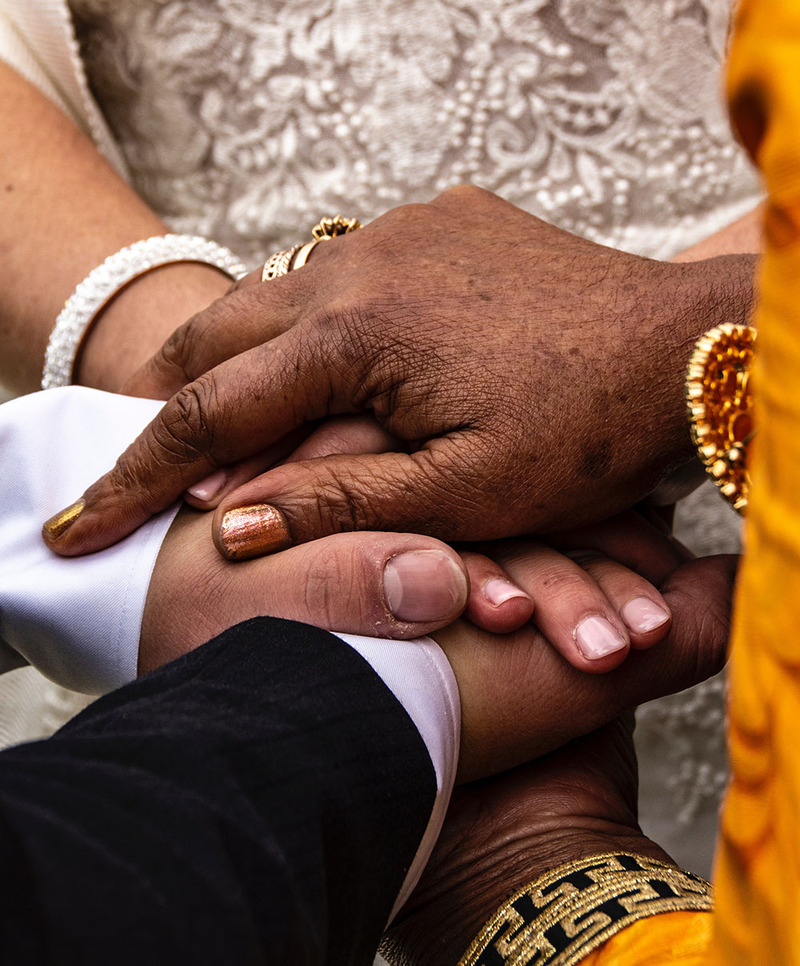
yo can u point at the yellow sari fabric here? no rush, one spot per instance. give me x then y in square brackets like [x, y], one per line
[758, 864]
[682, 938]
[757, 914]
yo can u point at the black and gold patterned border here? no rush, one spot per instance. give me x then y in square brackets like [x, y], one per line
[575, 908]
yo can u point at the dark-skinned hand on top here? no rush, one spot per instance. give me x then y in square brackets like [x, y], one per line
[534, 377]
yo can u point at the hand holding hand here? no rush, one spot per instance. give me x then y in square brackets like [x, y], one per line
[591, 607]
[519, 697]
[402, 585]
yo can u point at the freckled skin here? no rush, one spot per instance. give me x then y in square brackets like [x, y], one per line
[598, 459]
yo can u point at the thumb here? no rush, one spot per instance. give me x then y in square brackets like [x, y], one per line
[420, 492]
[379, 584]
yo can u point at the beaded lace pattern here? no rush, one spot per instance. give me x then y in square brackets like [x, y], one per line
[244, 120]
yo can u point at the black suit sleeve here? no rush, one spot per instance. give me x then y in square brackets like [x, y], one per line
[257, 801]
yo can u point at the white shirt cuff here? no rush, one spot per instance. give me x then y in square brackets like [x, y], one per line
[420, 677]
[77, 620]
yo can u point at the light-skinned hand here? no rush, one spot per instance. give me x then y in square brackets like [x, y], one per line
[519, 697]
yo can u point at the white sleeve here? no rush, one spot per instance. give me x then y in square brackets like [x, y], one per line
[78, 620]
[420, 677]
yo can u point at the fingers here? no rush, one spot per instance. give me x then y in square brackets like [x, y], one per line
[591, 609]
[208, 492]
[339, 434]
[380, 584]
[495, 603]
[641, 607]
[245, 318]
[252, 313]
[639, 540]
[520, 699]
[232, 413]
[355, 435]
[416, 492]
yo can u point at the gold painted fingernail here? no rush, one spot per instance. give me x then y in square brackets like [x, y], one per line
[62, 521]
[252, 531]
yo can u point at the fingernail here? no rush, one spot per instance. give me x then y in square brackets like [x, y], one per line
[208, 488]
[58, 525]
[424, 585]
[596, 638]
[642, 615]
[497, 591]
[252, 531]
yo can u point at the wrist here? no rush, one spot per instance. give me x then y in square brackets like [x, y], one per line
[439, 926]
[139, 319]
[704, 294]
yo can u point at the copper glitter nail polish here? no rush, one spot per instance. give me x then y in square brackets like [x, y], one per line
[252, 531]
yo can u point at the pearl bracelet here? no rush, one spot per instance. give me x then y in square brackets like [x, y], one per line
[103, 283]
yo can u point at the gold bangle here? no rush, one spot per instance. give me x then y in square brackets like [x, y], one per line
[719, 400]
[573, 909]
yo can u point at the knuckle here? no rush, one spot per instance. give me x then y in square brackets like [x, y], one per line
[400, 218]
[463, 194]
[588, 560]
[126, 478]
[367, 500]
[178, 352]
[331, 588]
[185, 429]
[186, 350]
[137, 476]
[345, 505]
[563, 583]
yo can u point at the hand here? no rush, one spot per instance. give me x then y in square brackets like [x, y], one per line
[400, 585]
[589, 607]
[504, 832]
[379, 584]
[536, 378]
[519, 697]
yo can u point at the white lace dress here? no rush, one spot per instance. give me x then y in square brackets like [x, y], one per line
[246, 120]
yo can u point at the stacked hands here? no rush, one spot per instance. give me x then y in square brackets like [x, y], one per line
[461, 372]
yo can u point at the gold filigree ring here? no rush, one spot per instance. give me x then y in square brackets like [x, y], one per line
[719, 399]
[331, 227]
[292, 258]
[278, 264]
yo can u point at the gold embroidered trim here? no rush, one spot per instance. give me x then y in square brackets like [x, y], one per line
[575, 908]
